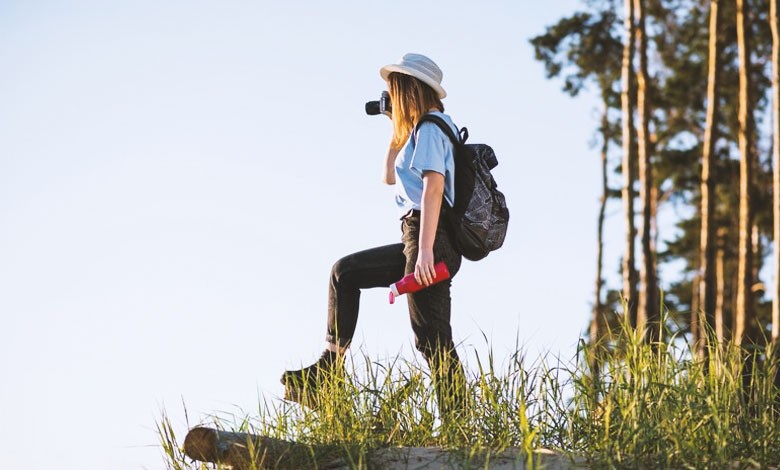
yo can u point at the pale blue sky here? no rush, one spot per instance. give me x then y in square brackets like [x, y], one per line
[177, 178]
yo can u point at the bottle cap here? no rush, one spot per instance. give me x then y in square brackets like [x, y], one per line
[394, 288]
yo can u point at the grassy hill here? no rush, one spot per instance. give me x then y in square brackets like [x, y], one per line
[652, 406]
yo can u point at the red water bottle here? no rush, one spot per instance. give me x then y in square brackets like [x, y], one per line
[409, 283]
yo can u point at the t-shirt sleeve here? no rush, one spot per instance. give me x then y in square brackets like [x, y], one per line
[429, 151]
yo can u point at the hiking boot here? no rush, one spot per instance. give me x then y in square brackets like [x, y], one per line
[305, 386]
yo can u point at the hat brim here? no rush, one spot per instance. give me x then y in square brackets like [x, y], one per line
[388, 69]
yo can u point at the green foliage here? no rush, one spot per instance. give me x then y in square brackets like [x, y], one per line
[583, 48]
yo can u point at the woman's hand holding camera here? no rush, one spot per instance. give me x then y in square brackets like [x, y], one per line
[381, 106]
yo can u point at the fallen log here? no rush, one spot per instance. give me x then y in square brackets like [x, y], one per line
[246, 451]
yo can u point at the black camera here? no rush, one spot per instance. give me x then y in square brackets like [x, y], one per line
[379, 107]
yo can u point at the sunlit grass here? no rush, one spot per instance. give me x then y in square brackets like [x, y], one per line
[651, 406]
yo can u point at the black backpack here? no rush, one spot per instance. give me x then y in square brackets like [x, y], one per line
[479, 217]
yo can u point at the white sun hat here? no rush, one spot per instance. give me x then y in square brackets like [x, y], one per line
[420, 67]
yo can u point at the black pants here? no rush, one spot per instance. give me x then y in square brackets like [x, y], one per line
[429, 308]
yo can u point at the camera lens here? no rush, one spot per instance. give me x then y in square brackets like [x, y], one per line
[372, 108]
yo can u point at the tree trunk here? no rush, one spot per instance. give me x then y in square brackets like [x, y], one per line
[773, 18]
[757, 264]
[595, 325]
[707, 247]
[627, 94]
[648, 311]
[695, 310]
[744, 308]
[245, 451]
[720, 295]
[597, 322]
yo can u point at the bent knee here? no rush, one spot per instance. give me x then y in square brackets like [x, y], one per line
[342, 269]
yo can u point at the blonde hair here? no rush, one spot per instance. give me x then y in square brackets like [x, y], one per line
[411, 99]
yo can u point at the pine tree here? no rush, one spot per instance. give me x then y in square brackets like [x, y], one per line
[744, 313]
[583, 49]
[648, 309]
[708, 244]
[629, 159]
[773, 20]
[701, 193]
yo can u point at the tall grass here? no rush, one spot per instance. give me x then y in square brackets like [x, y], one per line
[646, 405]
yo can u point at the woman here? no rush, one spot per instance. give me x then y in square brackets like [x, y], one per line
[421, 166]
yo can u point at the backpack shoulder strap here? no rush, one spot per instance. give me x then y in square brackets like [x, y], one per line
[456, 139]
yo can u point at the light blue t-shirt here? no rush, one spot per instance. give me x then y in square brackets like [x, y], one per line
[428, 150]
